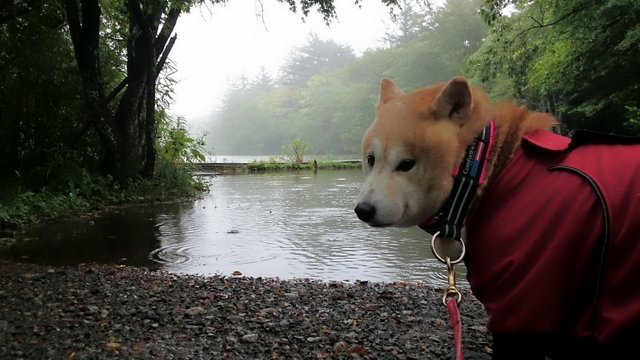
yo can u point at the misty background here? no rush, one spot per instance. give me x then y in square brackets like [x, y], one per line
[320, 83]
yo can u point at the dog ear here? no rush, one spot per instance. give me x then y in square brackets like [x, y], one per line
[388, 91]
[454, 100]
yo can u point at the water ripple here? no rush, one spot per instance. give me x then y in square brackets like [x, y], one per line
[172, 255]
[286, 225]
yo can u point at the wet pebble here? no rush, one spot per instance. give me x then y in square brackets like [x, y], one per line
[250, 338]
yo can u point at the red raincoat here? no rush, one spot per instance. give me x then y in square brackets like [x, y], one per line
[554, 243]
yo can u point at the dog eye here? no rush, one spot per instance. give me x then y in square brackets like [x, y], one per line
[371, 160]
[405, 165]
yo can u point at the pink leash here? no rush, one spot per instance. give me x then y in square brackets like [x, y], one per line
[452, 296]
[456, 325]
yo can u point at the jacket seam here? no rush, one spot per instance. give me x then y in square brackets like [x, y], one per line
[605, 233]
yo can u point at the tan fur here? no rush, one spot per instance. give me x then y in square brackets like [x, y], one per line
[433, 126]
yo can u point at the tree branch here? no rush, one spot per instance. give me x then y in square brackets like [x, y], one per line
[161, 48]
[116, 90]
[165, 55]
[166, 30]
[541, 24]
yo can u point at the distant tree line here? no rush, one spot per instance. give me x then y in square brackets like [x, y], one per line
[577, 59]
[325, 95]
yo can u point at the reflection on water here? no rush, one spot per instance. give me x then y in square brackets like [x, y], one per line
[287, 225]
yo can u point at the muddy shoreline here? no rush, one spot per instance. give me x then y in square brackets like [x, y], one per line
[107, 312]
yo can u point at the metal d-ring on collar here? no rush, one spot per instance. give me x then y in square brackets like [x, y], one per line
[446, 259]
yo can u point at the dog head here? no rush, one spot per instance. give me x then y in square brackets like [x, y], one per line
[412, 148]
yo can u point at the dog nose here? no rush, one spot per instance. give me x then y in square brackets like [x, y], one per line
[365, 211]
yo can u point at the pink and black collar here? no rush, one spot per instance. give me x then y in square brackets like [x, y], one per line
[467, 177]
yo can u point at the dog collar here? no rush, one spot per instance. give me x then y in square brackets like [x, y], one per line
[467, 177]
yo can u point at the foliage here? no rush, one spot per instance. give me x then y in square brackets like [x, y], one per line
[325, 7]
[29, 207]
[262, 166]
[317, 57]
[244, 122]
[52, 160]
[577, 59]
[68, 188]
[411, 20]
[294, 152]
[175, 144]
[94, 193]
[633, 123]
[177, 151]
[39, 92]
[338, 165]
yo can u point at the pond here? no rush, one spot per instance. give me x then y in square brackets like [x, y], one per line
[285, 224]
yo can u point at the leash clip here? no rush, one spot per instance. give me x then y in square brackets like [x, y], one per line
[452, 290]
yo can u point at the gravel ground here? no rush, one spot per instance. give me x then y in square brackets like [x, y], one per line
[115, 312]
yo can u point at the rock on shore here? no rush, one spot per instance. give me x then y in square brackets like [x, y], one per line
[114, 312]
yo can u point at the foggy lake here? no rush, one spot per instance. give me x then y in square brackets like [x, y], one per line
[285, 224]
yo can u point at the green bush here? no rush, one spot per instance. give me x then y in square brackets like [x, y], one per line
[294, 152]
[64, 186]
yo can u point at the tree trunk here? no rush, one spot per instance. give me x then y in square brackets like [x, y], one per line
[128, 135]
[84, 28]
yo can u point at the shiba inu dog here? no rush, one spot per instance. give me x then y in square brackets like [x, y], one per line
[552, 230]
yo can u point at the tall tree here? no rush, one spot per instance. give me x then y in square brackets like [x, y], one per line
[441, 50]
[315, 57]
[128, 133]
[410, 21]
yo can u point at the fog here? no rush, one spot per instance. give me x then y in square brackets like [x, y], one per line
[218, 44]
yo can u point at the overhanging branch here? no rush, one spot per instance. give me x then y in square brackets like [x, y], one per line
[541, 24]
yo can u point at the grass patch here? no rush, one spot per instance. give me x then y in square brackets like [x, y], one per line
[265, 166]
[86, 192]
[339, 165]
